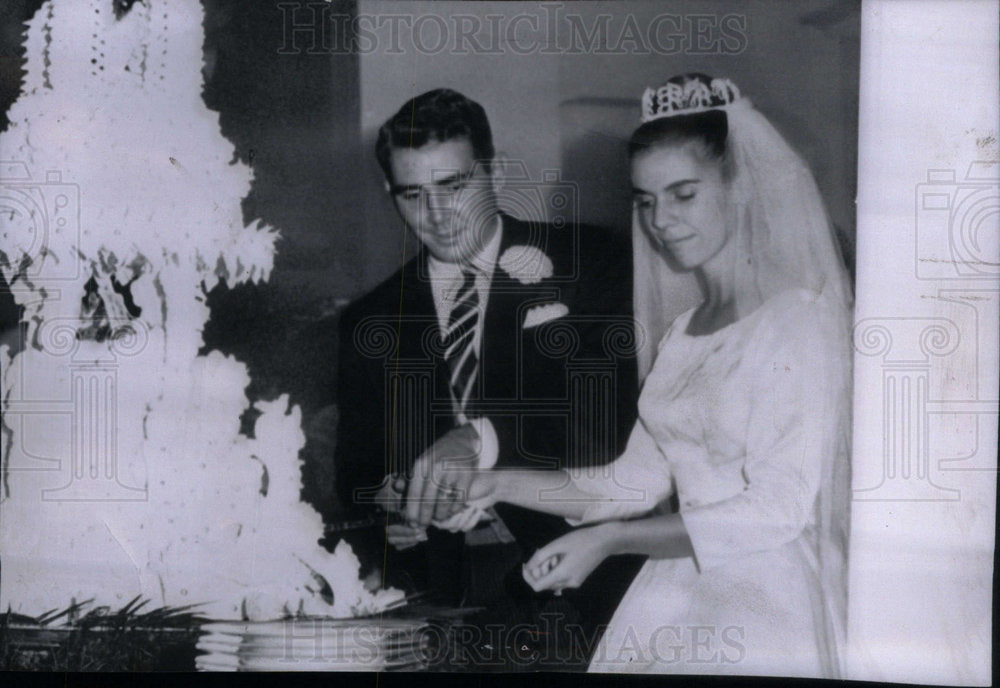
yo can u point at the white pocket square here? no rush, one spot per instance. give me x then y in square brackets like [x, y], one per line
[544, 313]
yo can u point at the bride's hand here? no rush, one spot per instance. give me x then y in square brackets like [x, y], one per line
[568, 561]
[484, 490]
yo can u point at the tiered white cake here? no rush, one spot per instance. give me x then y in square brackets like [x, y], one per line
[124, 471]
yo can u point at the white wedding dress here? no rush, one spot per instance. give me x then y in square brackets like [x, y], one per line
[748, 425]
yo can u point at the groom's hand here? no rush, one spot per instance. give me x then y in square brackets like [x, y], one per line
[441, 477]
[403, 537]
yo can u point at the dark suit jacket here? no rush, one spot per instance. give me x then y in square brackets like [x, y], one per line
[560, 394]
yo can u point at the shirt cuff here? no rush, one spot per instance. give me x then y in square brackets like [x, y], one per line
[489, 448]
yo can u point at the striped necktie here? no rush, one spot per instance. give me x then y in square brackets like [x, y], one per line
[460, 350]
[463, 362]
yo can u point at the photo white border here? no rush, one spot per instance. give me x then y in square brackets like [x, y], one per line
[925, 440]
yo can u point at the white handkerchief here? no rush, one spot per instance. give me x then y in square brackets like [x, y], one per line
[465, 520]
[544, 313]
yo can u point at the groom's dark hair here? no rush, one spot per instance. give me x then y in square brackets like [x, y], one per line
[438, 115]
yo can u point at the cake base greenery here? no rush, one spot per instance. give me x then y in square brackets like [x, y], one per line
[81, 637]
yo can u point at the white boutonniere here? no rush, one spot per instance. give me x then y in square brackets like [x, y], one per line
[543, 314]
[526, 264]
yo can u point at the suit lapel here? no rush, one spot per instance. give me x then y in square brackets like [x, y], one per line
[502, 329]
[414, 308]
[418, 324]
[419, 353]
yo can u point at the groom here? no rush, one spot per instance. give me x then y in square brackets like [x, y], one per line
[502, 343]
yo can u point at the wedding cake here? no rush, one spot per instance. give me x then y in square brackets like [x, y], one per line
[124, 471]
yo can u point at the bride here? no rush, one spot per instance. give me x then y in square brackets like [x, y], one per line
[745, 414]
